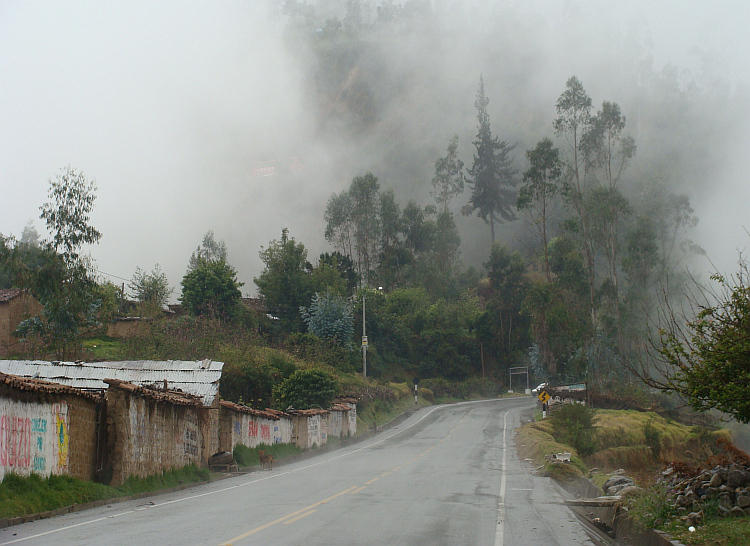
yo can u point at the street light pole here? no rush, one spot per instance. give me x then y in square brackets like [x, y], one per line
[364, 336]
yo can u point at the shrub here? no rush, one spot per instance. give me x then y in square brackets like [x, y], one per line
[305, 389]
[573, 425]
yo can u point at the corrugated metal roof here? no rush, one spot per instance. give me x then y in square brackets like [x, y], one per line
[198, 377]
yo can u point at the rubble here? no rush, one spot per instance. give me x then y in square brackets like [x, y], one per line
[727, 486]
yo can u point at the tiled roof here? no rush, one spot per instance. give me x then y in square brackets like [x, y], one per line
[339, 407]
[39, 385]
[199, 378]
[308, 412]
[7, 294]
[278, 413]
[244, 409]
[173, 397]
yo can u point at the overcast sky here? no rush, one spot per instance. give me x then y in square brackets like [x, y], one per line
[168, 105]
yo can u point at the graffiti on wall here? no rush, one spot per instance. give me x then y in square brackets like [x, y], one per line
[33, 438]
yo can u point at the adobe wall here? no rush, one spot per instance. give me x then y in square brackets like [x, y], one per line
[310, 430]
[47, 433]
[147, 436]
[12, 313]
[338, 423]
[252, 430]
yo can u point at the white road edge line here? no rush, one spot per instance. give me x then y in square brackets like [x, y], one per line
[499, 533]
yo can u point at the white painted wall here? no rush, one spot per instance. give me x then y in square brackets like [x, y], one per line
[33, 438]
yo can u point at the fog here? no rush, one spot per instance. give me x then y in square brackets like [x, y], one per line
[173, 108]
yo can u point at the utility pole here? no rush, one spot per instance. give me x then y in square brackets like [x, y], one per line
[364, 336]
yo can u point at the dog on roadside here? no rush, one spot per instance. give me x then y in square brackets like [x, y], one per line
[265, 459]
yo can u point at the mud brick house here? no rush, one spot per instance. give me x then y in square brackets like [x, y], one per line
[16, 306]
[48, 428]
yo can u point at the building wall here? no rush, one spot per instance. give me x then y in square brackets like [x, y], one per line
[338, 423]
[12, 313]
[252, 430]
[47, 434]
[310, 430]
[352, 418]
[147, 437]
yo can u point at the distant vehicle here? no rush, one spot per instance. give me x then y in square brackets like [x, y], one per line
[539, 388]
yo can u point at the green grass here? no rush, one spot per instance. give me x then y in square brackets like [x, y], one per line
[248, 456]
[104, 348]
[720, 532]
[379, 412]
[21, 496]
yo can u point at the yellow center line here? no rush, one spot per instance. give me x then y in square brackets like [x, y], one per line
[372, 481]
[287, 522]
[384, 474]
[267, 525]
[358, 490]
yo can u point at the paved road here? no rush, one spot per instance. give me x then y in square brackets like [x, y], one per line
[447, 475]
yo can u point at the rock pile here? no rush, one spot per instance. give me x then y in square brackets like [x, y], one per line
[727, 487]
[619, 484]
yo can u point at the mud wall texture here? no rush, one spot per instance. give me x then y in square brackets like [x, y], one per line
[47, 434]
[148, 436]
[252, 430]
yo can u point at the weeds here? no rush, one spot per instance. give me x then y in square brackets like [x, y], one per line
[248, 456]
[20, 495]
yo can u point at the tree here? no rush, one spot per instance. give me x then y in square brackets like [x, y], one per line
[151, 290]
[449, 176]
[708, 361]
[62, 280]
[209, 251]
[541, 185]
[574, 124]
[353, 223]
[68, 214]
[305, 389]
[342, 265]
[212, 290]
[364, 192]
[285, 283]
[491, 176]
[329, 316]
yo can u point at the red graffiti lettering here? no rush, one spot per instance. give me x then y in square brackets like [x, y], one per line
[265, 432]
[15, 441]
[253, 429]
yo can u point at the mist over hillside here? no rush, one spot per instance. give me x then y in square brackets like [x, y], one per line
[245, 118]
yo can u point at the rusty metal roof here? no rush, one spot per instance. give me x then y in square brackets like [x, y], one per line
[197, 377]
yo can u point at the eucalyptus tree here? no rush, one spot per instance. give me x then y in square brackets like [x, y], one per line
[541, 186]
[449, 178]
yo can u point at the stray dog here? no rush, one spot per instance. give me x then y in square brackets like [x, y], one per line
[265, 459]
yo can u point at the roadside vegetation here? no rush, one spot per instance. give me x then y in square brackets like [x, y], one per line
[643, 444]
[20, 496]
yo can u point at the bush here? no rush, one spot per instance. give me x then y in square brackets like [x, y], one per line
[573, 425]
[305, 389]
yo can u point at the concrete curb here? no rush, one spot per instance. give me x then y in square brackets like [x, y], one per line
[10, 522]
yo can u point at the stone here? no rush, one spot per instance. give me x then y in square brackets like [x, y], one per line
[738, 478]
[743, 501]
[629, 490]
[715, 481]
[737, 511]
